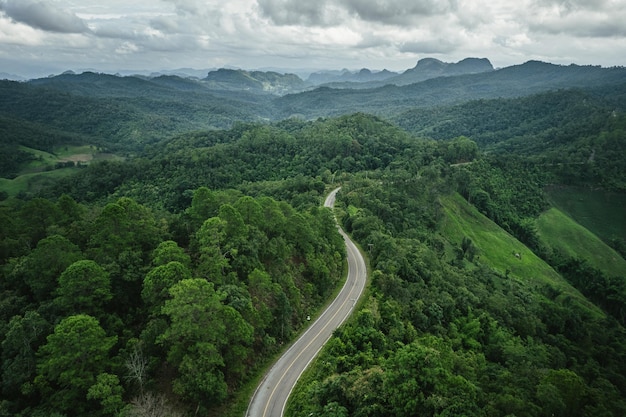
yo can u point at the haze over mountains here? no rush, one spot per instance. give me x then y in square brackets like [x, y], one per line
[165, 104]
[424, 69]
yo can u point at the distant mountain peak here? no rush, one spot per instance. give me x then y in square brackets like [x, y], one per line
[469, 64]
[427, 68]
[266, 81]
[429, 62]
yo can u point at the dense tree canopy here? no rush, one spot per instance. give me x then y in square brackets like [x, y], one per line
[170, 278]
[107, 307]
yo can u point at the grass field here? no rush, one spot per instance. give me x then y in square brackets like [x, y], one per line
[64, 153]
[602, 212]
[32, 181]
[500, 250]
[561, 232]
[41, 171]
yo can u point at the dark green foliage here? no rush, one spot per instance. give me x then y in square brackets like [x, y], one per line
[70, 362]
[84, 287]
[442, 336]
[507, 190]
[607, 292]
[222, 230]
[106, 308]
[259, 159]
[515, 81]
[23, 338]
[577, 136]
[41, 268]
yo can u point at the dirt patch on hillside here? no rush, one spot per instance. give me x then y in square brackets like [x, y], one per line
[80, 157]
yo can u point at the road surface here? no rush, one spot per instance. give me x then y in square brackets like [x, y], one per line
[271, 395]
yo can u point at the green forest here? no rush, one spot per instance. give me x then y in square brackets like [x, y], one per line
[161, 243]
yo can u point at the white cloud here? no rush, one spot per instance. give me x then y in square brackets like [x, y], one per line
[18, 34]
[393, 34]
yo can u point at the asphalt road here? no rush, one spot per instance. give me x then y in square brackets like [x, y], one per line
[271, 395]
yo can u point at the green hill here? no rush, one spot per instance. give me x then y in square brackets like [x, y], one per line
[562, 233]
[598, 210]
[501, 251]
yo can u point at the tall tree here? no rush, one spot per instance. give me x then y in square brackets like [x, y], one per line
[169, 251]
[71, 360]
[201, 332]
[84, 287]
[213, 248]
[158, 282]
[23, 338]
[41, 268]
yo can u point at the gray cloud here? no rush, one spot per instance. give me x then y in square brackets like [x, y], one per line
[435, 46]
[297, 12]
[583, 29]
[580, 18]
[42, 15]
[329, 13]
[165, 24]
[397, 11]
[192, 7]
[570, 5]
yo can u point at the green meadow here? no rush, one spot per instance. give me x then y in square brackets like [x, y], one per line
[499, 250]
[602, 212]
[44, 168]
[561, 232]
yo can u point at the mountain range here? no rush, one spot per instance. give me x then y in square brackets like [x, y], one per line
[145, 109]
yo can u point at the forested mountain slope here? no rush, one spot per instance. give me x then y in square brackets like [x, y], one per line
[123, 113]
[516, 81]
[462, 319]
[577, 134]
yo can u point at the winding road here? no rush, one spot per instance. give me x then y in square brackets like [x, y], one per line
[271, 395]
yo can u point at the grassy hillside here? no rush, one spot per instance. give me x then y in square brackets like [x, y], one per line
[33, 182]
[500, 250]
[562, 233]
[599, 211]
[44, 168]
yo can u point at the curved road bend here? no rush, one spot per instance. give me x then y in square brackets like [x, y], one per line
[271, 395]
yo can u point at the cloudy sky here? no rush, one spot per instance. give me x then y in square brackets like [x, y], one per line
[40, 37]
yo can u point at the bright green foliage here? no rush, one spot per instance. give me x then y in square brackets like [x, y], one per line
[108, 391]
[84, 287]
[169, 251]
[70, 362]
[250, 210]
[203, 357]
[213, 248]
[420, 381]
[159, 280]
[561, 393]
[461, 150]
